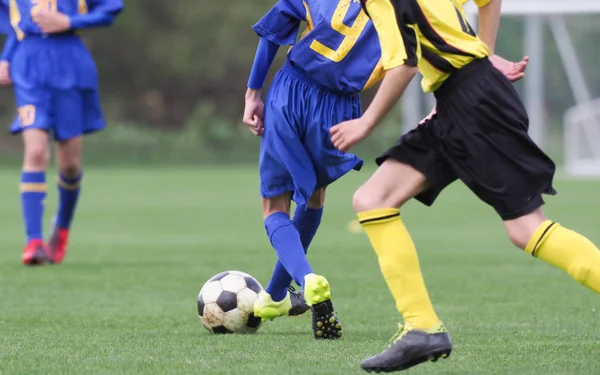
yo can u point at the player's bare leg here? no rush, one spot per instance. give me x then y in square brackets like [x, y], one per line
[561, 247]
[33, 193]
[287, 243]
[68, 160]
[422, 337]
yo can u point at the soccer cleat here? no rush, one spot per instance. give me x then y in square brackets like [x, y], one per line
[409, 348]
[299, 305]
[34, 253]
[57, 245]
[267, 309]
[317, 295]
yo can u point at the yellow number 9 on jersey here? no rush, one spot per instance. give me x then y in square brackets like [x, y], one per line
[40, 6]
[350, 33]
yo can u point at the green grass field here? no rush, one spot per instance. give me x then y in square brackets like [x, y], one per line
[145, 240]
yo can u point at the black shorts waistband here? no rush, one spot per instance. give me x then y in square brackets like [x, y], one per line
[466, 73]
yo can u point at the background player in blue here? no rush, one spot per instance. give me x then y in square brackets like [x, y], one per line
[56, 90]
[336, 58]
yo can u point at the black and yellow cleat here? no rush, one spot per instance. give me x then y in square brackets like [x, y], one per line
[409, 348]
[299, 305]
[325, 323]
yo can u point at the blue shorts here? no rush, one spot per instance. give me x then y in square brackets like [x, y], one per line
[56, 87]
[296, 153]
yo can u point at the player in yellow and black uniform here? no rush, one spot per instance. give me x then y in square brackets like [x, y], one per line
[478, 135]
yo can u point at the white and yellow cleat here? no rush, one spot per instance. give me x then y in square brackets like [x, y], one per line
[267, 309]
[317, 294]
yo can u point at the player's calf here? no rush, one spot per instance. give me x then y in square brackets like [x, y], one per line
[561, 247]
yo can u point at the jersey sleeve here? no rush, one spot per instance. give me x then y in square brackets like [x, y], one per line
[281, 24]
[398, 41]
[5, 27]
[113, 7]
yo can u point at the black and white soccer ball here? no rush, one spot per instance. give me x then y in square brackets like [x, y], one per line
[226, 303]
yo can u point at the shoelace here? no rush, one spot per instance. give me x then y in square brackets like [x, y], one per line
[402, 330]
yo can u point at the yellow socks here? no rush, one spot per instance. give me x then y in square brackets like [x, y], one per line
[569, 251]
[399, 265]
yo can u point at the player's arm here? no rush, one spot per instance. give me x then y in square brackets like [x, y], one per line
[278, 27]
[10, 45]
[254, 109]
[489, 21]
[399, 58]
[102, 13]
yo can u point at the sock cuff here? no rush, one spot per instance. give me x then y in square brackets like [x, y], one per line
[73, 180]
[69, 183]
[379, 215]
[33, 177]
[275, 221]
[540, 235]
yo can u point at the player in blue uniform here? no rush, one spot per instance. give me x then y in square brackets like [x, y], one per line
[336, 58]
[56, 89]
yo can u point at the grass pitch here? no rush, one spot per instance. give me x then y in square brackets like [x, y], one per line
[145, 240]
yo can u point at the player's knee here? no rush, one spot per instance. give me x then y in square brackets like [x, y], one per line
[317, 199]
[276, 204]
[365, 200]
[518, 239]
[70, 170]
[520, 230]
[37, 156]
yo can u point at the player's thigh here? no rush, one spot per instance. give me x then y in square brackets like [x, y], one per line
[392, 184]
[76, 112]
[414, 167]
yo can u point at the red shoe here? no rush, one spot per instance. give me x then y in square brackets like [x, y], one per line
[34, 253]
[57, 246]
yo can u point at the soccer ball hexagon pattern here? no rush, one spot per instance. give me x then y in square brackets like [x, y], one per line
[226, 301]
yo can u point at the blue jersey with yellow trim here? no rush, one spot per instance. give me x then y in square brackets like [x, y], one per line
[22, 11]
[339, 48]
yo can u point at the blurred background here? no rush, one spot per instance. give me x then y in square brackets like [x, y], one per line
[173, 77]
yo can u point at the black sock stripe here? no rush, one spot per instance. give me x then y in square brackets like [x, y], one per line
[380, 218]
[540, 239]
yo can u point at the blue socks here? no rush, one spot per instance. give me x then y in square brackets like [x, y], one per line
[33, 193]
[68, 192]
[306, 222]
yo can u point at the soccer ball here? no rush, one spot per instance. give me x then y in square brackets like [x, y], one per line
[226, 302]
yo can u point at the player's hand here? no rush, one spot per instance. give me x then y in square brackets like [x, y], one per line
[254, 112]
[5, 73]
[52, 23]
[514, 71]
[348, 133]
[429, 116]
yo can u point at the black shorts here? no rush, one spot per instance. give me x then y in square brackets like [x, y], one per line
[479, 135]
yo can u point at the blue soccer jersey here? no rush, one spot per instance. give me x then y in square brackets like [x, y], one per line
[339, 48]
[21, 12]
